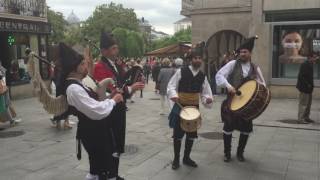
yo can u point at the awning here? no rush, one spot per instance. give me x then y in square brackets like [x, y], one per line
[175, 49]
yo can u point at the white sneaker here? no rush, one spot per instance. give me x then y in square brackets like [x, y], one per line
[92, 177]
[17, 120]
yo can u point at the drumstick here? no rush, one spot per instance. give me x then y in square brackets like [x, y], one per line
[182, 107]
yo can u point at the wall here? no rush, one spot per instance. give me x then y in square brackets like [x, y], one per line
[221, 3]
[271, 5]
[206, 25]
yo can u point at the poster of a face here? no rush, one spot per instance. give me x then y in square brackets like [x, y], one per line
[292, 43]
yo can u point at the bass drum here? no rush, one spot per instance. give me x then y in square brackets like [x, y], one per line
[252, 100]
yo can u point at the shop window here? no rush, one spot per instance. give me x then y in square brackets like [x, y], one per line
[18, 60]
[292, 45]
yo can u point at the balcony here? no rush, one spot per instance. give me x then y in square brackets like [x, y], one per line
[34, 10]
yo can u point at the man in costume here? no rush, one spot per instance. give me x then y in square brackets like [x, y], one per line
[231, 76]
[93, 115]
[186, 87]
[107, 68]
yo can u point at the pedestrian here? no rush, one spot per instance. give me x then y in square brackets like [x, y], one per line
[10, 113]
[231, 76]
[164, 77]
[57, 73]
[187, 87]
[106, 68]
[155, 73]
[146, 70]
[93, 115]
[305, 87]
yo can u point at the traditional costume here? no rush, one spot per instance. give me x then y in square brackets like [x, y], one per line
[93, 116]
[189, 85]
[106, 68]
[233, 74]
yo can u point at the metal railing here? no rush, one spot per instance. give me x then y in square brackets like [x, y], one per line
[35, 8]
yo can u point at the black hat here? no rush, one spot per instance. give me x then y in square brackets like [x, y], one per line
[248, 44]
[198, 49]
[107, 40]
[69, 59]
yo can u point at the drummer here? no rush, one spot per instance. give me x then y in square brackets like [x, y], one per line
[231, 76]
[186, 87]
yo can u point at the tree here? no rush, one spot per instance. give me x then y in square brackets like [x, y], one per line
[135, 44]
[58, 24]
[108, 17]
[121, 36]
[73, 35]
[181, 36]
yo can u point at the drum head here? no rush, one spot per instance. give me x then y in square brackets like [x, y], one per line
[189, 113]
[247, 91]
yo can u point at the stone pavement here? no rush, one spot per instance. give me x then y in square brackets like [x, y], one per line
[275, 150]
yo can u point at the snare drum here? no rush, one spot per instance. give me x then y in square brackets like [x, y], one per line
[190, 118]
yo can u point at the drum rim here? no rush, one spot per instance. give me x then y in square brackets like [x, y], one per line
[263, 108]
[254, 95]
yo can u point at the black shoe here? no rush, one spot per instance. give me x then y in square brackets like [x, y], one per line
[227, 158]
[240, 157]
[303, 122]
[309, 120]
[189, 162]
[119, 178]
[175, 164]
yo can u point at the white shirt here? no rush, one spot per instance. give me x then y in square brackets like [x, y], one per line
[80, 99]
[223, 74]
[173, 85]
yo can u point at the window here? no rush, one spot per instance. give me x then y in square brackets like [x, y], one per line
[292, 44]
[18, 59]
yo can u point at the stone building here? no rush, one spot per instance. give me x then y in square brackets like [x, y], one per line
[23, 24]
[225, 24]
[182, 24]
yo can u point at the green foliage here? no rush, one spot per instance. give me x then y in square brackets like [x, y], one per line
[181, 36]
[121, 36]
[74, 35]
[122, 22]
[58, 25]
[107, 17]
[131, 43]
[135, 44]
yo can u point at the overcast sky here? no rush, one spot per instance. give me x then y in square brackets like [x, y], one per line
[161, 14]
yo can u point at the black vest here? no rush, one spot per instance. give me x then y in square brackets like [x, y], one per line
[236, 76]
[189, 83]
[86, 126]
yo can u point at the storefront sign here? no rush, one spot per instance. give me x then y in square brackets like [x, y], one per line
[23, 26]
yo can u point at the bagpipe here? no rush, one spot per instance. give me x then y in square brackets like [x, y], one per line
[52, 104]
[130, 77]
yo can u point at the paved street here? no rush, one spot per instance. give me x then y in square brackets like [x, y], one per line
[275, 150]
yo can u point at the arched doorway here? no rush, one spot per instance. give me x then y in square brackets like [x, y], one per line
[217, 45]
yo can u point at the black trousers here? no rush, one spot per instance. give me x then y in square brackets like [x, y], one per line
[99, 154]
[232, 122]
[178, 132]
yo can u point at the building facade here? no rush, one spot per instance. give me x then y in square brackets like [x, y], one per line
[23, 24]
[288, 31]
[182, 24]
